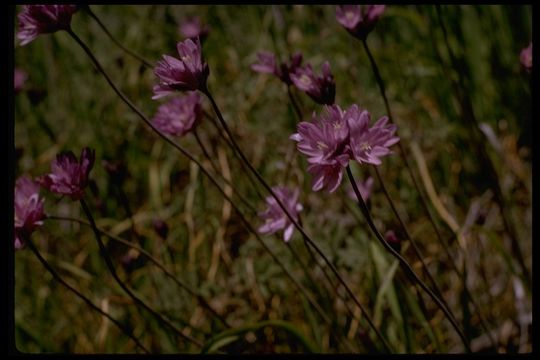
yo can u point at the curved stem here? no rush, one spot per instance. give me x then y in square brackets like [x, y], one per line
[205, 172]
[202, 301]
[135, 298]
[408, 236]
[104, 28]
[291, 218]
[402, 261]
[58, 278]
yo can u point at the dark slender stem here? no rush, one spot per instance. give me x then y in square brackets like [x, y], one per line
[408, 236]
[236, 148]
[104, 28]
[135, 298]
[403, 262]
[202, 301]
[475, 136]
[58, 278]
[216, 170]
[205, 172]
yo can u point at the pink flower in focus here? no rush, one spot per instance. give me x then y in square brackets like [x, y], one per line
[526, 58]
[28, 209]
[325, 142]
[369, 144]
[274, 216]
[268, 64]
[179, 115]
[359, 20]
[19, 79]
[322, 89]
[43, 19]
[187, 73]
[192, 28]
[69, 176]
[365, 189]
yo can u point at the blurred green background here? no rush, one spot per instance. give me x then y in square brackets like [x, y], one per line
[67, 105]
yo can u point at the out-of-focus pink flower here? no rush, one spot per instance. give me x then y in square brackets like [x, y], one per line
[19, 79]
[69, 176]
[192, 28]
[359, 20]
[392, 240]
[180, 115]
[322, 89]
[268, 64]
[526, 58]
[365, 189]
[43, 19]
[189, 72]
[28, 209]
[275, 218]
[369, 144]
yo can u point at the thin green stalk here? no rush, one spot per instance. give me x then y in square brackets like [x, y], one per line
[404, 264]
[58, 278]
[135, 298]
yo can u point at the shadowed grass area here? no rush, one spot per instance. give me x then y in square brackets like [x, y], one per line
[66, 104]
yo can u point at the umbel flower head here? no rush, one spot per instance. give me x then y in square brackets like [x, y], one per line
[359, 20]
[268, 64]
[526, 58]
[43, 19]
[180, 115]
[335, 137]
[275, 218]
[28, 209]
[322, 89]
[189, 72]
[69, 176]
[192, 28]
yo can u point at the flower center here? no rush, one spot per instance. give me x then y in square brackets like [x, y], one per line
[365, 146]
[304, 79]
[185, 58]
[336, 125]
[321, 145]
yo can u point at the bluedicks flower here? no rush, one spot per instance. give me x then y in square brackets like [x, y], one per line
[359, 20]
[189, 72]
[28, 209]
[526, 58]
[325, 141]
[192, 28]
[69, 176]
[365, 189]
[369, 144]
[268, 64]
[275, 218]
[19, 78]
[43, 19]
[180, 115]
[322, 89]
[331, 140]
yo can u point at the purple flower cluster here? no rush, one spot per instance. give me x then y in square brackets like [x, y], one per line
[322, 89]
[28, 209]
[189, 72]
[359, 20]
[69, 176]
[526, 58]
[274, 216]
[334, 138]
[43, 19]
[179, 115]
